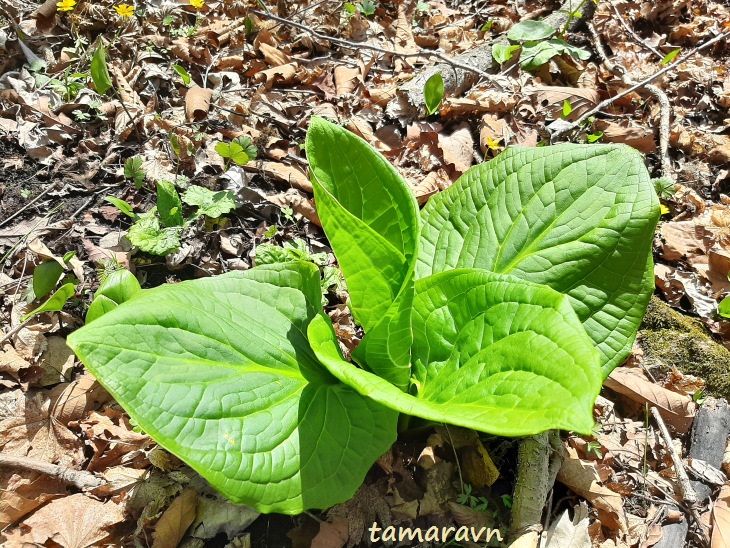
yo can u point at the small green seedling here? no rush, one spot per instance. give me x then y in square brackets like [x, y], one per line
[239, 151]
[593, 137]
[433, 93]
[567, 108]
[184, 75]
[533, 39]
[158, 230]
[133, 171]
[669, 57]
[472, 501]
[99, 71]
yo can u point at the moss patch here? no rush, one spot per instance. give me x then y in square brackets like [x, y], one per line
[670, 339]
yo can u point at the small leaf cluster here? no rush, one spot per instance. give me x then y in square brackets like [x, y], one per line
[240, 151]
[158, 231]
[536, 46]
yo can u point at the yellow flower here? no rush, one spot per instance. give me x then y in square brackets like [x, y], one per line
[493, 144]
[197, 3]
[66, 5]
[664, 209]
[124, 10]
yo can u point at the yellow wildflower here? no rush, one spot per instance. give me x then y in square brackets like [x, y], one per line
[66, 5]
[493, 144]
[664, 209]
[124, 10]
[197, 3]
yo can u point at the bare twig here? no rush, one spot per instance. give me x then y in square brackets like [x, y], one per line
[360, 46]
[608, 102]
[33, 201]
[78, 478]
[635, 36]
[685, 487]
[658, 93]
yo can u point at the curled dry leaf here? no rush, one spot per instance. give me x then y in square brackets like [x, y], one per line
[298, 202]
[678, 411]
[641, 138]
[583, 478]
[173, 523]
[721, 519]
[458, 148]
[274, 56]
[283, 173]
[347, 79]
[197, 103]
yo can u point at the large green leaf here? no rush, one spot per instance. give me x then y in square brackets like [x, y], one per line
[578, 218]
[371, 219]
[219, 372]
[491, 352]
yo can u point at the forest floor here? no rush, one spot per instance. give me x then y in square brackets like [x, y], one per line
[184, 77]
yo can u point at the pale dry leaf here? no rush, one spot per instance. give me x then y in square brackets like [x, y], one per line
[119, 479]
[274, 56]
[583, 478]
[11, 362]
[684, 240]
[333, 534]
[197, 103]
[677, 410]
[284, 173]
[24, 492]
[434, 182]
[570, 533]
[281, 75]
[721, 519]
[298, 202]
[640, 138]
[173, 523]
[76, 521]
[57, 361]
[347, 79]
[78, 398]
[458, 148]
[550, 100]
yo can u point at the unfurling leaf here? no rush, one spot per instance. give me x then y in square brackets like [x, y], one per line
[433, 93]
[99, 72]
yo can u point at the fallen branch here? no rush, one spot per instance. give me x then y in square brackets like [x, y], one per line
[685, 487]
[567, 127]
[656, 92]
[78, 478]
[360, 46]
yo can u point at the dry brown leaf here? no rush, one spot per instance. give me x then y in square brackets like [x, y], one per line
[436, 181]
[332, 535]
[550, 99]
[81, 396]
[583, 478]
[197, 103]
[641, 138]
[677, 410]
[173, 523]
[112, 439]
[298, 202]
[274, 56]
[682, 240]
[284, 173]
[346, 79]
[24, 492]
[721, 519]
[76, 521]
[477, 466]
[119, 479]
[11, 362]
[458, 148]
[284, 74]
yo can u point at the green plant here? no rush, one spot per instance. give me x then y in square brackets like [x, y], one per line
[533, 39]
[472, 501]
[239, 151]
[433, 93]
[501, 307]
[158, 230]
[133, 170]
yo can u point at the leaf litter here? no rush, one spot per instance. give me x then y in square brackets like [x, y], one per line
[66, 140]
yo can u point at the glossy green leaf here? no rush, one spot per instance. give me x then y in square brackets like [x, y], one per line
[55, 302]
[724, 308]
[234, 151]
[45, 278]
[530, 30]
[491, 352]
[578, 218]
[118, 287]
[538, 54]
[433, 93]
[169, 205]
[669, 57]
[99, 72]
[220, 373]
[371, 219]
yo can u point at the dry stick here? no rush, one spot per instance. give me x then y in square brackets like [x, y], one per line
[358, 46]
[661, 97]
[608, 102]
[685, 487]
[631, 32]
[33, 201]
[78, 478]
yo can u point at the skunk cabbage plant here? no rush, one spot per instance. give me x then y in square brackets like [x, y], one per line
[499, 307]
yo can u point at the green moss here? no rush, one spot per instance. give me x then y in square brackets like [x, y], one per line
[670, 339]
